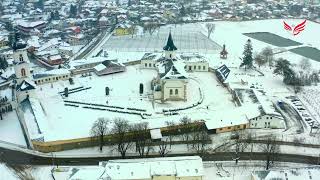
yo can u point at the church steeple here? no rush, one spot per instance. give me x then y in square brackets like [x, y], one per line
[170, 48]
[170, 45]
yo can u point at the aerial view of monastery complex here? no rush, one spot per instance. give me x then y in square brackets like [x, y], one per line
[159, 90]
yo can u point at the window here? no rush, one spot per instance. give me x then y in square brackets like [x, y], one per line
[176, 92]
[244, 126]
[20, 58]
[56, 78]
[204, 67]
[154, 65]
[190, 68]
[171, 91]
[267, 117]
[199, 67]
[194, 67]
[238, 126]
[255, 125]
[270, 117]
[145, 65]
[149, 64]
[229, 127]
[23, 72]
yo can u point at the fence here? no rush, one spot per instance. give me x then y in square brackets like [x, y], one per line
[62, 145]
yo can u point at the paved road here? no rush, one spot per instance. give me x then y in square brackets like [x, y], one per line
[17, 157]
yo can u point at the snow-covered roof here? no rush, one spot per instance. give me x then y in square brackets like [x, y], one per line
[51, 73]
[30, 24]
[99, 67]
[227, 118]
[81, 62]
[155, 133]
[266, 104]
[25, 85]
[87, 173]
[146, 168]
[172, 69]
[312, 172]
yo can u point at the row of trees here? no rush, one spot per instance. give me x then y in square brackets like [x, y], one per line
[126, 136]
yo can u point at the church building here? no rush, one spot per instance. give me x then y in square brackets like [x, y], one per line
[25, 87]
[172, 79]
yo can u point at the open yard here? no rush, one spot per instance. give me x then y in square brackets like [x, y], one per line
[83, 107]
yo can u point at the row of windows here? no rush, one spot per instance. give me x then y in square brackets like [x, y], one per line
[150, 65]
[176, 91]
[195, 68]
[49, 79]
[261, 118]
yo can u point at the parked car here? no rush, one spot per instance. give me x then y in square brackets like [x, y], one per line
[305, 115]
[301, 109]
[308, 119]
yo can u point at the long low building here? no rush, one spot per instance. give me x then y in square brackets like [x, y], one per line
[51, 76]
[167, 168]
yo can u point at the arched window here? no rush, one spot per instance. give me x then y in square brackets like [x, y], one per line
[176, 92]
[23, 72]
[20, 58]
[171, 91]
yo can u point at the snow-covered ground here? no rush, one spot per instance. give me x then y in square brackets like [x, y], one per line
[10, 129]
[187, 37]
[57, 120]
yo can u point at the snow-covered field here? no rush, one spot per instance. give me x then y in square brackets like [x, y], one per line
[187, 37]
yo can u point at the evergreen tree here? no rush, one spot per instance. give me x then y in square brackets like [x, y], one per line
[283, 68]
[247, 59]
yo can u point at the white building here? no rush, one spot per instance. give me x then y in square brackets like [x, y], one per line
[168, 168]
[24, 86]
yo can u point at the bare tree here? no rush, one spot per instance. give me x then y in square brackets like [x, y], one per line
[99, 129]
[241, 143]
[305, 65]
[170, 136]
[199, 139]
[210, 28]
[267, 53]
[120, 128]
[150, 27]
[163, 147]
[260, 61]
[185, 135]
[142, 138]
[270, 149]
[132, 30]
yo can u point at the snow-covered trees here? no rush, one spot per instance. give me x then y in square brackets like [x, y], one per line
[99, 130]
[3, 63]
[247, 59]
[283, 67]
[259, 59]
[305, 65]
[267, 54]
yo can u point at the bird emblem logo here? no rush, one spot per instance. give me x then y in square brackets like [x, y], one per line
[295, 30]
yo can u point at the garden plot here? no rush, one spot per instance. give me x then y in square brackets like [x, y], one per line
[308, 52]
[273, 39]
[187, 38]
[89, 101]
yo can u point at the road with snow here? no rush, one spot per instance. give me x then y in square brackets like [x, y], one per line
[18, 157]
